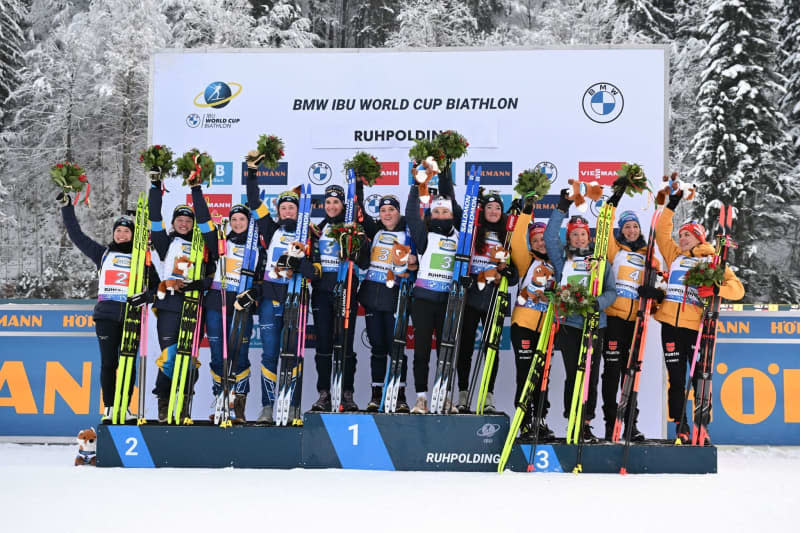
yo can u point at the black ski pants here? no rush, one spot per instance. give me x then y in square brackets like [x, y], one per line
[568, 340]
[524, 342]
[324, 310]
[427, 317]
[469, 327]
[616, 349]
[109, 337]
[678, 344]
[380, 330]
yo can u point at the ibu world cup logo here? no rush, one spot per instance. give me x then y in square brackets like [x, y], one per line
[603, 102]
[217, 95]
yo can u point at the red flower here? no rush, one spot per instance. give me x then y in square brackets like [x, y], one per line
[60, 165]
[141, 158]
[158, 147]
[82, 177]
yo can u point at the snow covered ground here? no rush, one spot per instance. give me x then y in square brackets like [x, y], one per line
[756, 490]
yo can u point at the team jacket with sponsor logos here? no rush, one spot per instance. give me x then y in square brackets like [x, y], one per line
[170, 246]
[628, 266]
[433, 271]
[481, 299]
[575, 269]
[234, 255]
[373, 293]
[673, 310]
[530, 315]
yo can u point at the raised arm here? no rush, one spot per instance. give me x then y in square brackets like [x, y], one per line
[158, 233]
[416, 226]
[90, 248]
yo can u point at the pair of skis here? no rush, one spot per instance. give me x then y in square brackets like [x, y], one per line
[342, 294]
[232, 344]
[537, 374]
[629, 394]
[590, 339]
[493, 327]
[397, 352]
[189, 334]
[705, 348]
[456, 300]
[290, 377]
[132, 330]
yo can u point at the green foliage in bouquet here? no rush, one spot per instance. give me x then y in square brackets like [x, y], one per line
[636, 180]
[532, 183]
[452, 143]
[157, 161]
[573, 299]
[271, 147]
[70, 178]
[705, 274]
[423, 148]
[196, 167]
[349, 236]
[365, 166]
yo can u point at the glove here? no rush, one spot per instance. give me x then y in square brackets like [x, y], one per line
[618, 187]
[596, 306]
[564, 202]
[516, 205]
[244, 301]
[706, 291]
[196, 285]
[138, 300]
[650, 292]
[63, 199]
[253, 159]
[155, 174]
[674, 199]
[527, 208]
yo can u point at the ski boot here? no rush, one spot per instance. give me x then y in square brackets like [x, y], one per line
[265, 416]
[402, 403]
[107, 412]
[239, 402]
[323, 403]
[682, 433]
[348, 405]
[375, 402]
[588, 436]
[462, 401]
[163, 408]
[488, 406]
[609, 434]
[636, 435]
[421, 407]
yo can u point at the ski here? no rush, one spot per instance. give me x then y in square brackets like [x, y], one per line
[394, 366]
[188, 335]
[702, 404]
[342, 298]
[629, 393]
[131, 329]
[493, 329]
[142, 371]
[590, 338]
[543, 350]
[291, 321]
[238, 327]
[451, 331]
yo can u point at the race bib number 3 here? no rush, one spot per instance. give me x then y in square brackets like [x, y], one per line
[442, 262]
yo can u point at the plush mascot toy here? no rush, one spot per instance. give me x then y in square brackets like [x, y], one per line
[87, 448]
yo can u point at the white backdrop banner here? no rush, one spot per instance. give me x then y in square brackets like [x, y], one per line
[573, 113]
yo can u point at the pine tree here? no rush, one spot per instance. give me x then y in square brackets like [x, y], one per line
[789, 33]
[373, 21]
[740, 149]
[433, 23]
[284, 26]
[12, 14]
[644, 20]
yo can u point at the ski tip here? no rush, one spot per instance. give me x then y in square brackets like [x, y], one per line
[141, 422]
[531, 468]
[678, 442]
[623, 471]
[578, 469]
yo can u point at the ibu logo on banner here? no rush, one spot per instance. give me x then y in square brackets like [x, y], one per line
[603, 173]
[357, 441]
[269, 176]
[223, 173]
[492, 173]
[219, 205]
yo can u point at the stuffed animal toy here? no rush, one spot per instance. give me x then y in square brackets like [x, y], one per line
[535, 289]
[425, 173]
[288, 262]
[179, 268]
[581, 191]
[497, 255]
[87, 448]
[672, 185]
[400, 254]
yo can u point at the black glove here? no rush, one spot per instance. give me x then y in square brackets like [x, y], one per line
[155, 184]
[596, 306]
[138, 300]
[516, 205]
[618, 188]
[650, 292]
[527, 208]
[63, 199]
[564, 202]
[155, 174]
[674, 199]
[196, 285]
[244, 300]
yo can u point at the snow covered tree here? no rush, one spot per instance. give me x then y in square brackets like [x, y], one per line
[373, 21]
[432, 23]
[789, 32]
[225, 23]
[644, 20]
[740, 149]
[284, 26]
[12, 14]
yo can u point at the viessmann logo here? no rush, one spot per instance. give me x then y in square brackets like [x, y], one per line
[217, 95]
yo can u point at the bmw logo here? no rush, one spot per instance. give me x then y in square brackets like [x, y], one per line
[365, 339]
[603, 102]
[548, 169]
[373, 205]
[319, 173]
[193, 120]
[217, 94]
[594, 207]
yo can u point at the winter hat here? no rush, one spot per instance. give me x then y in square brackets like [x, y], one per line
[239, 208]
[389, 199]
[628, 216]
[695, 229]
[334, 191]
[536, 227]
[288, 196]
[442, 201]
[182, 210]
[493, 196]
[577, 222]
[124, 220]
